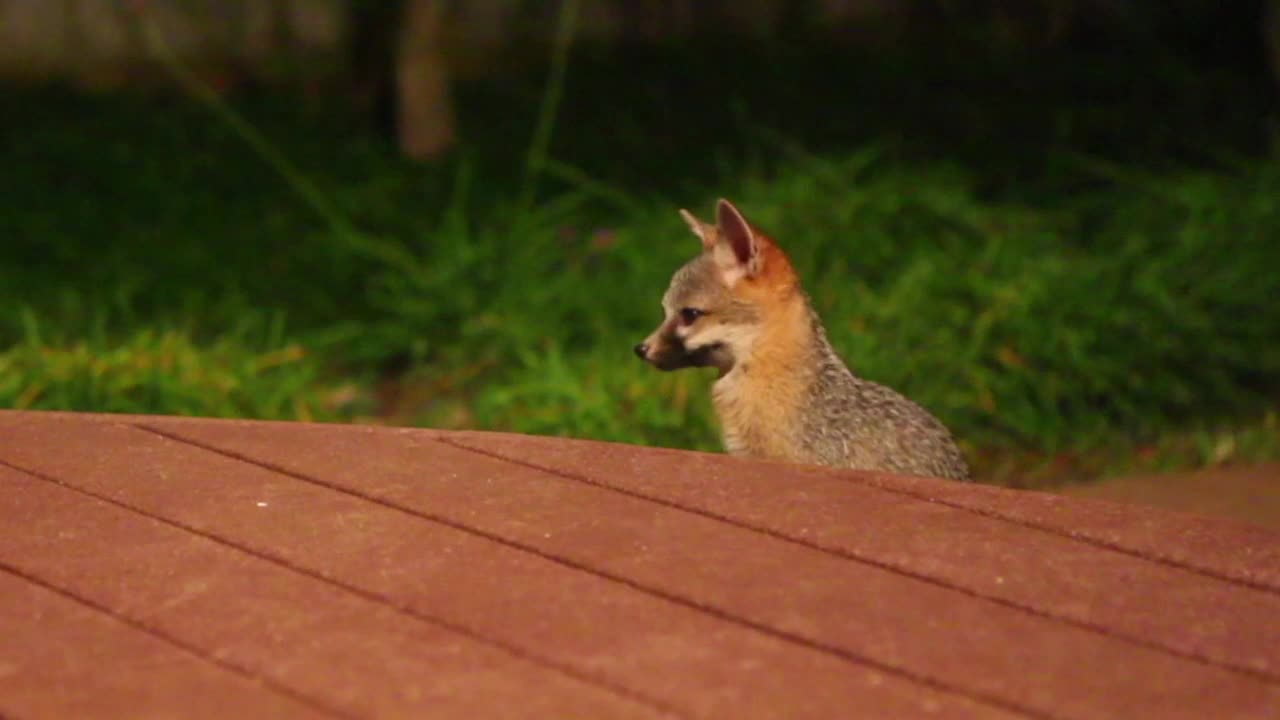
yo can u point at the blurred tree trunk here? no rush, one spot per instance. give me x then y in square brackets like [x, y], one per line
[424, 109]
[1271, 36]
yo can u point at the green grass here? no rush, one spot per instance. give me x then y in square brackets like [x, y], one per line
[1092, 286]
[149, 370]
[1003, 320]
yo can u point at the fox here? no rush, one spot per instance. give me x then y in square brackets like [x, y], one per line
[781, 391]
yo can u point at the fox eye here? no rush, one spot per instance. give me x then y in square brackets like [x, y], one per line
[689, 315]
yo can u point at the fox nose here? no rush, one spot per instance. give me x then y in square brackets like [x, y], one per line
[641, 350]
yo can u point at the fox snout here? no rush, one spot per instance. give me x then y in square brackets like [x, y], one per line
[664, 351]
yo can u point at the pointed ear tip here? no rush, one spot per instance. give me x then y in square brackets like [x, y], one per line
[726, 212]
[692, 221]
[724, 206]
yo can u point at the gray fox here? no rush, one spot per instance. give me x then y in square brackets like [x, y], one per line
[782, 392]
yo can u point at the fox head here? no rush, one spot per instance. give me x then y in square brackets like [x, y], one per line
[719, 303]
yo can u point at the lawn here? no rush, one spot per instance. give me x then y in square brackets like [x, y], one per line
[1071, 260]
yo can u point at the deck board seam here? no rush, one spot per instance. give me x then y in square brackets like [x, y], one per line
[1250, 583]
[713, 611]
[1153, 557]
[174, 642]
[515, 651]
[890, 567]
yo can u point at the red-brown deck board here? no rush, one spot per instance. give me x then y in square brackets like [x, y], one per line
[291, 570]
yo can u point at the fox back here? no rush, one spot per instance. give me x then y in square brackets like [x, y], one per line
[782, 392]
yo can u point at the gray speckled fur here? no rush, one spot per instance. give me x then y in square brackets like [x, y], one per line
[852, 422]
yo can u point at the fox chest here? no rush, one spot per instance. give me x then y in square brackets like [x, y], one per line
[758, 419]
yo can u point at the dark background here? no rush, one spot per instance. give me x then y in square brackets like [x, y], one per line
[1054, 224]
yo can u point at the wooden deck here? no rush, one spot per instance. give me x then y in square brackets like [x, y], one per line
[178, 568]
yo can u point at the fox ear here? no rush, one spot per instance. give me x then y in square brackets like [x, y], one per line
[739, 236]
[706, 233]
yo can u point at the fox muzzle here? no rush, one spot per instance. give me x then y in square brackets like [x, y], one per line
[668, 352]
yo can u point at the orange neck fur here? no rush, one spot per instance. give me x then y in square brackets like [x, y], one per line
[759, 400]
